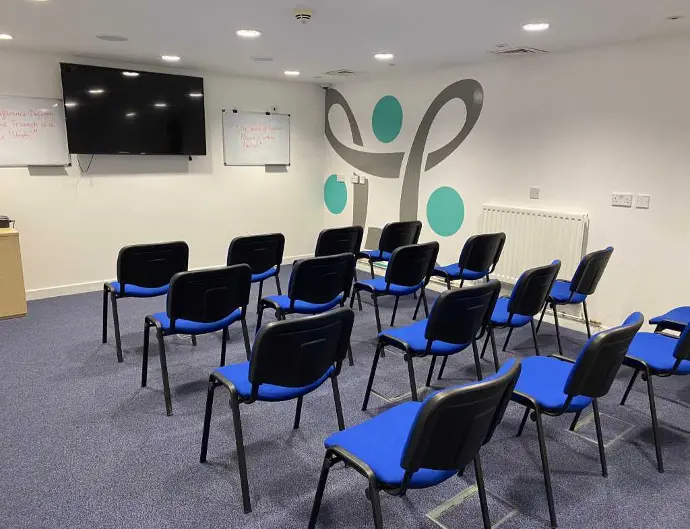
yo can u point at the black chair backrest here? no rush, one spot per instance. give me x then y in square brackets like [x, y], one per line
[459, 316]
[453, 424]
[334, 241]
[260, 252]
[532, 289]
[597, 364]
[682, 349]
[151, 265]
[321, 279]
[411, 265]
[397, 234]
[589, 271]
[481, 252]
[297, 353]
[209, 295]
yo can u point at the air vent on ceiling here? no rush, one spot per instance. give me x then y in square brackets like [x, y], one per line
[521, 50]
[341, 73]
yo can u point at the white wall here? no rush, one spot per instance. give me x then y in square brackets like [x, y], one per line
[72, 225]
[579, 125]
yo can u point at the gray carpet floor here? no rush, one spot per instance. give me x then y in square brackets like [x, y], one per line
[83, 445]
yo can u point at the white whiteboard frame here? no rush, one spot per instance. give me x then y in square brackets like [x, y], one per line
[237, 111]
[69, 154]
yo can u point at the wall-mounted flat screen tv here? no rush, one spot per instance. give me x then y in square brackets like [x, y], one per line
[111, 111]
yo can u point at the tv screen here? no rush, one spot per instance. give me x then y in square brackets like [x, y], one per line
[110, 111]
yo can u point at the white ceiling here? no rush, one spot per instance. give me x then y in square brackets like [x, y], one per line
[342, 33]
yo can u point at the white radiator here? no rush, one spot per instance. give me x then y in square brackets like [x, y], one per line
[535, 238]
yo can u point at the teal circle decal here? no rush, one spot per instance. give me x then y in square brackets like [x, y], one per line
[387, 119]
[335, 195]
[445, 211]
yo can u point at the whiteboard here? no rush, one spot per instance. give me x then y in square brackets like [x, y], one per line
[256, 138]
[32, 132]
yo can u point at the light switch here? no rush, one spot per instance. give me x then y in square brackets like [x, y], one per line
[642, 201]
[534, 193]
[355, 178]
[340, 177]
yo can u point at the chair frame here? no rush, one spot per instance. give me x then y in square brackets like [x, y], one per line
[216, 380]
[466, 255]
[350, 239]
[108, 290]
[383, 247]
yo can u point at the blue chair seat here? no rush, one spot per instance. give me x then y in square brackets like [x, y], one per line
[377, 254]
[380, 442]
[656, 350]
[679, 316]
[378, 286]
[303, 307]
[413, 336]
[264, 275]
[543, 379]
[137, 291]
[453, 271]
[238, 375]
[560, 293]
[196, 327]
[500, 315]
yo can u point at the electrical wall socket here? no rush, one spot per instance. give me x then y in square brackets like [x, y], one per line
[622, 200]
[642, 201]
[340, 177]
[534, 193]
[354, 178]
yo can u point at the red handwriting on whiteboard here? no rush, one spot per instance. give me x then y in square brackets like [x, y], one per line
[254, 136]
[25, 124]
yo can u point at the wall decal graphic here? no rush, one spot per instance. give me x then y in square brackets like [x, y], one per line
[389, 164]
[335, 195]
[445, 211]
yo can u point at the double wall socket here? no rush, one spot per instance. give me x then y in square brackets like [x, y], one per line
[622, 200]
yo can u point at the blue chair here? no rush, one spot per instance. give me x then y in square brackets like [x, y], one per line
[525, 302]
[290, 359]
[574, 292]
[457, 320]
[674, 320]
[556, 385]
[478, 259]
[655, 354]
[393, 235]
[263, 254]
[316, 285]
[199, 302]
[143, 271]
[417, 445]
[408, 272]
[334, 241]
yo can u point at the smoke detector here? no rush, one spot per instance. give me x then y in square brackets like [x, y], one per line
[302, 15]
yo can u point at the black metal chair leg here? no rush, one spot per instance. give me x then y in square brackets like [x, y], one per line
[350, 358]
[352, 297]
[359, 300]
[194, 340]
[410, 371]
[298, 413]
[367, 393]
[105, 315]
[505, 344]
[224, 346]
[261, 291]
[376, 312]
[145, 355]
[534, 336]
[655, 423]
[482, 491]
[321, 487]
[241, 459]
[541, 318]
[207, 420]
[477, 365]
[426, 306]
[584, 308]
[164, 373]
[630, 385]
[558, 331]
[523, 422]
[545, 468]
[259, 317]
[448, 285]
[443, 367]
[375, 506]
[600, 438]
[492, 337]
[395, 309]
[371, 265]
[416, 309]
[116, 324]
[280, 291]
[338, 404]
[575, 419]
[486, 342]
[245, 335]
[431, 371]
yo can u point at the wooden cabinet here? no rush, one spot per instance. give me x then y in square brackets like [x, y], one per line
[12, 293]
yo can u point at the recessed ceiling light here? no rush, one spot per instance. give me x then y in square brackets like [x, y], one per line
[6, 36]
[248, 33]
[262, 59]
[96, 91]
[112, 38]
[384, 56]
[130, 114]
[70, 104]
[536, 26]
[196, 94]
[130, 74]
[675, 17]
[170, 58]
[291, 73]
[160, 105]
